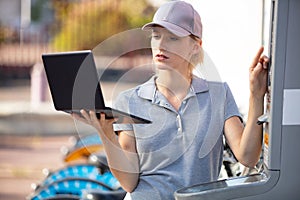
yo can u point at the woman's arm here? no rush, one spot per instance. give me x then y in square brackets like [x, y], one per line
[128, 175]
[121, 151]
[246, 142]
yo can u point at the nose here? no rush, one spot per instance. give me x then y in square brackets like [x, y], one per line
[159, 43]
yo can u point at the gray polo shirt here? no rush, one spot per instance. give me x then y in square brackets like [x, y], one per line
[180, 148]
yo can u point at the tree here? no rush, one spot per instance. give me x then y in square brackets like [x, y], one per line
[84, 24]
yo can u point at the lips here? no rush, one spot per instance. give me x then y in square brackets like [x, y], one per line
[161, 56]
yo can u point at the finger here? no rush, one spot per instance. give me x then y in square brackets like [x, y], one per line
[263, 58]
[265, 65]
[92, 113]
[78, 117]
[94, 118]
[258, 68]
[265, 62]
[85, 114]
[117, 120]
[103, 119]
[257, 57]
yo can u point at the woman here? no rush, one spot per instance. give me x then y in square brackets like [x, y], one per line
[183, 146]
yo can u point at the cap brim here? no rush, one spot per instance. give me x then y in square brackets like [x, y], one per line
[176, 30]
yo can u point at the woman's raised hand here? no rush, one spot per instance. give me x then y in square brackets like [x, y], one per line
[258, 72]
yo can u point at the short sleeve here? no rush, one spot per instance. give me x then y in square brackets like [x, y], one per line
[231, 108]
[122, 103]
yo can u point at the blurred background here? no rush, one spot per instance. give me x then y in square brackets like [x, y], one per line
[32, 132]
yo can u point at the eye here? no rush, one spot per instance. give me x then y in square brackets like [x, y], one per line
[155, 36]
[174, 38]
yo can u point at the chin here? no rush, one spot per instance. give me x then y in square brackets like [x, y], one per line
[162, 66]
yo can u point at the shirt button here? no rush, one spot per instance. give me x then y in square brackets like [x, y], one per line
[184, 102]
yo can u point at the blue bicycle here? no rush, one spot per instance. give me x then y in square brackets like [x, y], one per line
[89, 181]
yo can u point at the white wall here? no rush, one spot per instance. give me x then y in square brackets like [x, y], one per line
[232, 34]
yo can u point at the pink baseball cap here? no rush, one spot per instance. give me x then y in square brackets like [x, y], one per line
[178, 17]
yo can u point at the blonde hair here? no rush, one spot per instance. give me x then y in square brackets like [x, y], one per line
[198, 57]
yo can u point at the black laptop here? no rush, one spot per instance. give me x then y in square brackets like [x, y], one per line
[74, 85]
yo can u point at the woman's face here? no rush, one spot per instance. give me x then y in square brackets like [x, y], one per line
[170, 51]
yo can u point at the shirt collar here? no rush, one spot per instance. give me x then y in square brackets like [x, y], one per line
[199, 85]
[148, 89]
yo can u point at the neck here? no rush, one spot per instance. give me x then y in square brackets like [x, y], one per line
[173, 83]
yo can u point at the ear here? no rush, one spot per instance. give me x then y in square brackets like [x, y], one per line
[197, 44]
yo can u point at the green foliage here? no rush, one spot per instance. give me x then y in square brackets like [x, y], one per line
[84, 24]
[7, 34]
[36, 9]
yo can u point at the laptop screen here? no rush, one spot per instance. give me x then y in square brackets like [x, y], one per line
[73, 80]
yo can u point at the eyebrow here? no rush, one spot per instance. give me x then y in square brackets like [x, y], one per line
[154, 29]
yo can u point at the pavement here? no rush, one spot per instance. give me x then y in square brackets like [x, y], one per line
[31, 136]
[23, 159]
[30, 139]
